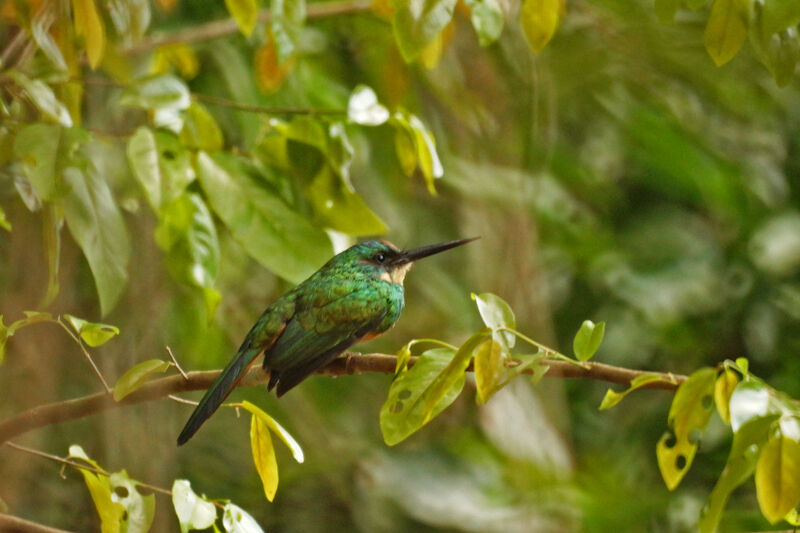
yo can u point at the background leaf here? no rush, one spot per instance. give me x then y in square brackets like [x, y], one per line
[245, 13]
[136, 376]
[416, 24]
[540, 19]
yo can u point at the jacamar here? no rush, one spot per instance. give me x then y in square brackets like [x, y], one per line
[354, 297]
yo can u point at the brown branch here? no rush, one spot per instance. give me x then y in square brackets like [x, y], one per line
[351, 363]
[20, 525]
[224, 27]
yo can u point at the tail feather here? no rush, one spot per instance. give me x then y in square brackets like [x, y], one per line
[216, 394]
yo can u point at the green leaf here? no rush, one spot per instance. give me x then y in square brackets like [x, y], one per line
[271, 423]
[778, 477]
[139, 510]
[130, 17]
[163, 91]
[363, 107]
[4, 335]
[245, 13]
[746, 447]
[423, 391]
[288, 18]
[779, 15]
[37, 146]
[42, 96]
[612, 397]
[417, 23]
[489, 367]
[690, 411]
[136, 376]
[588, 339]
[200, 130]
[338, 208]
[487, 18]
[97, 226]
[161, 164]
[406, 150]
[723, 390]
[94, 334]
[540, 19]
[194, 512]
[496, 314]
[89, 25]
[727, 28]
[264, 456]
[44, 40]
[428, 158]
[403, 355]
[111, 512]
[666, 9]
[31, 317]
[236, 520]
[269, 231]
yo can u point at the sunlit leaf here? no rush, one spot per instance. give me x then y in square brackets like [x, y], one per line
[750, 400]
[488, 369]
[111, 512]
[44, 40]
[726, 30]
[613, 397]
[406, 150]
[540, 19]
[163, 91]
[264, 456]
[288, 18]
[363, 107]
[274, 235]
[200, 130]
[588, 339]
[723, 390]
[143, 158]
[161, 164]
[417, 23]
[136, 376]
[194, 512]
[179, 55]
[43, 97]
[96, 225]
[272, 424]
[497, 314]
[427, 156]
[139, 509]
[401, 415]
[403, 356]
[778, 477]
[89, 25]
[94, 334]
[236, 520]
[487, 19]
[245, 13]
[690, 411]
[340, 209]
[130, 17]
[746, 447]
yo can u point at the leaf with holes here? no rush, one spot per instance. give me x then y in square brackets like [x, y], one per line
[136, 376]
[111, 512]
[690, 411]
[139, 509]
[613, 397]
[94, 334]
[193, 511]
[237, 520]
[778, 477]
[588, 339]
[723, 390]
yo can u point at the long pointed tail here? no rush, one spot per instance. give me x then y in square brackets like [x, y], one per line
[220, 390]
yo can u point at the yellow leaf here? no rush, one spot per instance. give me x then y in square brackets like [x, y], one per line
[726, 29]
[269, 73]
[89, 25]
[264, 456]
[245, 13]
[778, 477]
[539, 20]
[179, 55]
[167, 5]
[723, 389]
[488, 369]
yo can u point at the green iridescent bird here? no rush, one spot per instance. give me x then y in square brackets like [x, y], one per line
[354, 297]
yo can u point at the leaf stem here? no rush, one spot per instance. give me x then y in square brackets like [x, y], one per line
[548, 352]
[85, 353]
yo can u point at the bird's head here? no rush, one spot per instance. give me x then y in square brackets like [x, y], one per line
[385, 261]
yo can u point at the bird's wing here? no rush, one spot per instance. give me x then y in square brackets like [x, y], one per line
[263, 335]
[325, 324]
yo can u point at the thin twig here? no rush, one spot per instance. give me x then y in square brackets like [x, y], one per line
[224, 27]
[175, 361]
[182, 400]
[53, 413]
[224, 102]
[81, 466]
[20, 525]
[86, 354]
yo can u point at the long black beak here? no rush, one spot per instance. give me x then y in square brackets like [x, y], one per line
[408, 256]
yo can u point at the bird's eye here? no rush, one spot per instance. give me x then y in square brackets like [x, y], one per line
[380, 258]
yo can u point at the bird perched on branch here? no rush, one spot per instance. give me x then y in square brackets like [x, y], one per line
[354, 297]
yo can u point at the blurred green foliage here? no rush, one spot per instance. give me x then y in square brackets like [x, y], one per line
[618, 175]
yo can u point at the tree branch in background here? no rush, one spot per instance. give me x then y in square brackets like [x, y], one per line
[224, 27]
[350, 363]
[20, 525]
